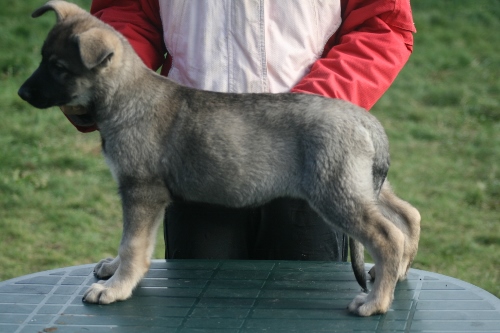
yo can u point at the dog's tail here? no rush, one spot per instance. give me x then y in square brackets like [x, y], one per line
[357, 252]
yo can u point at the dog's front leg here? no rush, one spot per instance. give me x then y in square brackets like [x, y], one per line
[143, 210]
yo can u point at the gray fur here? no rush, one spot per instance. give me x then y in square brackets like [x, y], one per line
[162, 140]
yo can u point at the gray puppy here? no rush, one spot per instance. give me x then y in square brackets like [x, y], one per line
[162, 140]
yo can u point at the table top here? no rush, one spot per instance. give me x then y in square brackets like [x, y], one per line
[242, 296]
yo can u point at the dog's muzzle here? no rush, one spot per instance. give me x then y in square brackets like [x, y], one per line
[25, 93]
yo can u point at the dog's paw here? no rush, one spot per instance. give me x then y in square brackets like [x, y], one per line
[357, 302]
[100, 293]
[106, 268]
[364, 307]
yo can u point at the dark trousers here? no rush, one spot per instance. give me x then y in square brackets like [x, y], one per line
[284, 229]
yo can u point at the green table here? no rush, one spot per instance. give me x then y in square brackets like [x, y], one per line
[242, 296]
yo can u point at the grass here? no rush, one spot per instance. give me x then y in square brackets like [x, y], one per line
[58, 202]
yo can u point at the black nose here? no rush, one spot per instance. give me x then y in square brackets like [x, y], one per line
[24, 93]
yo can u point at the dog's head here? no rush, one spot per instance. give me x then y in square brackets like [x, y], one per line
[77, 49]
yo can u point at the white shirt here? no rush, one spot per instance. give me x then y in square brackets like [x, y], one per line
[246, 45]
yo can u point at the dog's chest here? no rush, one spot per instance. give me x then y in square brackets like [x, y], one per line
[113, 166]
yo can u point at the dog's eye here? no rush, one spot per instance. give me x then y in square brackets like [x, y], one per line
[59, 66]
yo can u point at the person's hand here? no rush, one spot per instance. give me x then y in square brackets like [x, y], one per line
[73, 110]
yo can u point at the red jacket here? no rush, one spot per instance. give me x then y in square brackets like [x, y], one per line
[359, 62]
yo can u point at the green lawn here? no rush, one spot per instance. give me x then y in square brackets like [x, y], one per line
[58, 202]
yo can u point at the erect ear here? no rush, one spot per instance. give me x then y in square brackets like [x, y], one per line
[97, 45]
[62, 9]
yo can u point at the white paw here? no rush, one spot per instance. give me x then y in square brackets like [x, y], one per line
[357, 302]
[106, 268]
[363, 306]
[102, 293]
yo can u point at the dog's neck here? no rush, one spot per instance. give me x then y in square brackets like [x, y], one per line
[127, 102]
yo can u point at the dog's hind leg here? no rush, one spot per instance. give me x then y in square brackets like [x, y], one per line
[362, 220]
[407, 219]
[385, 242]
[143, 210]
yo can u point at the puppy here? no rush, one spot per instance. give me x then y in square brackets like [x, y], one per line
[161, 139]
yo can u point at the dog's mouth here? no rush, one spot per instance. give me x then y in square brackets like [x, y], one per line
[73, 110]
[44, 104]
[38, 100]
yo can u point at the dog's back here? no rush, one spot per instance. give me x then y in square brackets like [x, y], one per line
[269, 144]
